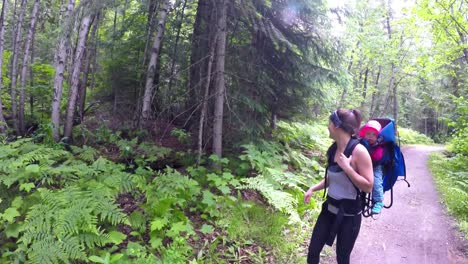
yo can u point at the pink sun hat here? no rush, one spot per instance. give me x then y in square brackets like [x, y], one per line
[372, 125]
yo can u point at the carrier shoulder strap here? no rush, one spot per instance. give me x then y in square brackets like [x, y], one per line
[353, 142]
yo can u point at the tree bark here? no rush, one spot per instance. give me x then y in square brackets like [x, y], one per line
[174, 52]
[3, 124]
[14, 66]
[152, 7]
[114, 30]
[73, 94]
[149, 87]
[364, 89]
[24, 70]
[60, 60]
[90, 51]
[350, 66]
[390, 90]
[220, 88]
[200, 39]
[204, 109]
[373, 106]
[391, 84]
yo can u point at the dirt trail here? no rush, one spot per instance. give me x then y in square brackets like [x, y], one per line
[416, 229]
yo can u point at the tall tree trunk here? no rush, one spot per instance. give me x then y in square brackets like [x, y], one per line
[220, 88]
[395, 102]
[174, 52]
[149, 87]
[14, 65]
[31, 79]
[200, 46]
[392, 76]
[204, 109]
[350, 66]
[60, 61]
[73, 94]
[389, 95]
[113, 77]
[373, 107]
[24, 70]
[364, 90]
[3, 124]
[90, 51]
[152, 7]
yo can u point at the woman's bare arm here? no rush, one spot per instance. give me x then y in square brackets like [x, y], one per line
[317, 187]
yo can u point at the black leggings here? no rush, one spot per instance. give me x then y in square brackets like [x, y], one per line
[345, 238]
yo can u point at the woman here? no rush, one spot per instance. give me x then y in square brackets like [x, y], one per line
[349, 173]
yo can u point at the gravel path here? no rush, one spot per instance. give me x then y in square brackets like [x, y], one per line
[416, 229]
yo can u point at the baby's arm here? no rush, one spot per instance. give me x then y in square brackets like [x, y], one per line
[377, 154]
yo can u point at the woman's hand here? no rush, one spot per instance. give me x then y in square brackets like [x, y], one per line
[344, 162]
[307, 196]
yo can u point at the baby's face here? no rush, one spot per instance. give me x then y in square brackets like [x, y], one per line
[371, 137]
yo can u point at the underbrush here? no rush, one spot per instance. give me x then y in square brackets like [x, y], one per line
[68, 204]
[408, 136]
[451, 177]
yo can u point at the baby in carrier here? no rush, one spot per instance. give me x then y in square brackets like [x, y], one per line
[369, 134]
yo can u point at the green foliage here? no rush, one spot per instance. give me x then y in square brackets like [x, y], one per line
[64, 205]
[409, 136]
[303, 135]
[459, 142]
[272, 178]
[451, 177]
[182, 135]
[284, 170]
[246, 222]
[67, 220]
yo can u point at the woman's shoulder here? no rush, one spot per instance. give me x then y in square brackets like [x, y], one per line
[360, 151]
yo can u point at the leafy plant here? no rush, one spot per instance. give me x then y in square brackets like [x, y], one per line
[408, 136]
[451, 177]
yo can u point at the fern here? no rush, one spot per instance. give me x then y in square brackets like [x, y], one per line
[87, 154]
[90, 240]
[70, 220]
[49, 250]
[274, 178]
[279, 199]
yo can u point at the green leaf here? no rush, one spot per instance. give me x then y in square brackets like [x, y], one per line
[33, 169]
[10, 214]
[13, 230]
[116, 257]
[158, 224]
[26, 186]
[156, 242]
[224, 189]
[208, 198]
[96, 259]
[116, 237]
[207, 229]
[176, 228]
[17, 202]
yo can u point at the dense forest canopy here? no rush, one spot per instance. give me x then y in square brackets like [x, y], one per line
[227, 71]
[163, 131]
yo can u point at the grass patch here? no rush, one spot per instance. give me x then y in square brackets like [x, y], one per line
[451, 177]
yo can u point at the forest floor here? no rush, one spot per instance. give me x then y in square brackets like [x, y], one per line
[417, 228]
